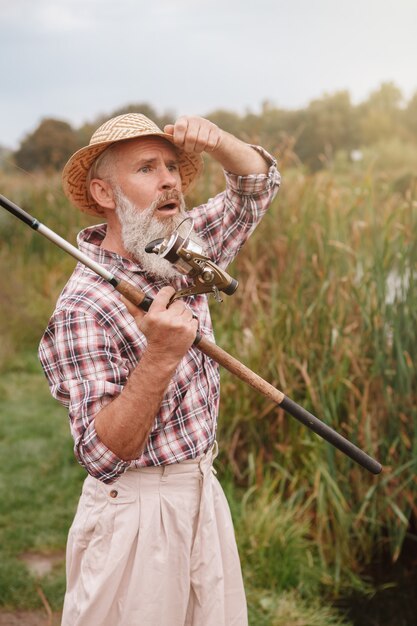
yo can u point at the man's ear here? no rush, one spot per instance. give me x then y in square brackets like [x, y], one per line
[102, 192]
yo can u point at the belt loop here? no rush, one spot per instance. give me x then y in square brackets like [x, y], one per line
[164, 476]
[200, 467]
[214, 453]
[206, 461]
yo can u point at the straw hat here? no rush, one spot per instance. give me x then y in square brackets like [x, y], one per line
[120, 128]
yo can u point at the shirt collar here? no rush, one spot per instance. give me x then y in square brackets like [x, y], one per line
[89, 241]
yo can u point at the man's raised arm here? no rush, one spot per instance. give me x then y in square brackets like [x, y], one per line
[196, 134]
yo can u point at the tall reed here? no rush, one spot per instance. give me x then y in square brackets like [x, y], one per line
[326, 311]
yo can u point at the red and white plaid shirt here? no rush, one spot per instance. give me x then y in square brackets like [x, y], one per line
[92, 343]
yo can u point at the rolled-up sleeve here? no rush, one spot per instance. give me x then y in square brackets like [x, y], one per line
[85, 372]
[226, 221]
[257, 184]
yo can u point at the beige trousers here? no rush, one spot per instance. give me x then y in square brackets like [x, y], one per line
[155, 548]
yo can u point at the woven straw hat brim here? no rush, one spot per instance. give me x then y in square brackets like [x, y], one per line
[74, 175]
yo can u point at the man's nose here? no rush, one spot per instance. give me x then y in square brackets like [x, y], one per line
[168, 179]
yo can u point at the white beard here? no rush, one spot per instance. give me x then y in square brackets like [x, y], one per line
[138, 228]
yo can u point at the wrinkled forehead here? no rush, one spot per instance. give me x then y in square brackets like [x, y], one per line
[142, 146]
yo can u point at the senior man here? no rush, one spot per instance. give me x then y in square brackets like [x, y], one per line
[152, 542]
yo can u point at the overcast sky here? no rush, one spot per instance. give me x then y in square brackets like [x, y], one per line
[75, 59]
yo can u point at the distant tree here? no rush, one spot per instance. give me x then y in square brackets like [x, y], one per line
[227, 120]
[275, 127]
[326, 126]
[410, 117]
[4, 154]
[380, 116]
[387, 98]
[48, 147]
[313, 134]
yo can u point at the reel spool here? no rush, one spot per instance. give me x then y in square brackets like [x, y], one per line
[187, 257]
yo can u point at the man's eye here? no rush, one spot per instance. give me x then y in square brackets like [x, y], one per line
[145, 169]
[173, 167]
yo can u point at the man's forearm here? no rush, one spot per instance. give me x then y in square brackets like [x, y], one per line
[124, 424]
[238, 157]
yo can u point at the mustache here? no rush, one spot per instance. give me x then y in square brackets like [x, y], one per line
[169, 196]
[173, 194]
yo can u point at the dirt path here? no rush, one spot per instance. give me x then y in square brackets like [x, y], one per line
[29, 618]
[39, 565]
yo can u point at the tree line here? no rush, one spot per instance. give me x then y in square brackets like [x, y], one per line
[311, 135]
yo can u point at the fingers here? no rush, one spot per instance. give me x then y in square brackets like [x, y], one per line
[161, 304]
[170, 329]
[169, 129]
[176, 309]
[195, 134]
[161, 301]
[183, 314]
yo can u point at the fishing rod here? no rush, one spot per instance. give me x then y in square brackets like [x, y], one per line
[210, 349]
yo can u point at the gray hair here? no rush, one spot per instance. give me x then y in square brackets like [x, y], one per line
[102, 167]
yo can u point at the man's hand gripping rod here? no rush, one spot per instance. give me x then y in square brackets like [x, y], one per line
[213, 351]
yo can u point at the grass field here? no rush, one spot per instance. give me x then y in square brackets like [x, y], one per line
[39, 489]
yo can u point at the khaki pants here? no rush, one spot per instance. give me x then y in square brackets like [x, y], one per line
[155, 548]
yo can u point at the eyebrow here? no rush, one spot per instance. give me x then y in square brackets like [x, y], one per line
[150, 161]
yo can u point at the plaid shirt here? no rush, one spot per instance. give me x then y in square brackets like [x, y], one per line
[92, 343]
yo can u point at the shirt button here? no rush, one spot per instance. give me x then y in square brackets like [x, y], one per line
[113, 493]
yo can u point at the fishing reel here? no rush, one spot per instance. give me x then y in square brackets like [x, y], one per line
[186, 256]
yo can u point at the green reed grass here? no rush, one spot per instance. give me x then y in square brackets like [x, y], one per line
[315, 315]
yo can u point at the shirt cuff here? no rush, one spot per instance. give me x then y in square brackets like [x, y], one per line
[98, 459]
[253, 184]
